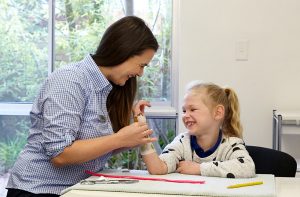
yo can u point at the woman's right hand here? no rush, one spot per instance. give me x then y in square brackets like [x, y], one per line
[135, 134]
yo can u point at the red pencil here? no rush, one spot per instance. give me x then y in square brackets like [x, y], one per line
[143, 178]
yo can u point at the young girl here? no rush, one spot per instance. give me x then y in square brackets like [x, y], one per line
[213, 145]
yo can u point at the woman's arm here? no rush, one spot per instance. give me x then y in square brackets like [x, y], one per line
[81, 151]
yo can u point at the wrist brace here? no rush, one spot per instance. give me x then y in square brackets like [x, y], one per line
[146, 148]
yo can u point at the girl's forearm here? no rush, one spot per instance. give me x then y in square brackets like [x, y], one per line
[154, 164]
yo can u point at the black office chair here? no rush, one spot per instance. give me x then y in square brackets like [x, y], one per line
[270, 161]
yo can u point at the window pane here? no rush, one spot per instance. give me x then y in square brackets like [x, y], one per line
[23, 48]
[79, 26]
[163, 129]
[155, 85]
[13, 135]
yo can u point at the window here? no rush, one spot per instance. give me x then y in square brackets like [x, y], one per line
[78, 30]
[38, 37]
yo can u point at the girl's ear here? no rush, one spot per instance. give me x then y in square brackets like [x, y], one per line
[219, 112]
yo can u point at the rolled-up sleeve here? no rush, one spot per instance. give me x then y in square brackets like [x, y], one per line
[63, 107]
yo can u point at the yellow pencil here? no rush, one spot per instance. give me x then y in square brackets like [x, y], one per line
[245, 184]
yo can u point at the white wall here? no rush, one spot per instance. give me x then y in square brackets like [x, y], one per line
[270, 79]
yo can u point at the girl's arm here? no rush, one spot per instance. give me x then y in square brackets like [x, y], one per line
[154, 164]
[169, 159]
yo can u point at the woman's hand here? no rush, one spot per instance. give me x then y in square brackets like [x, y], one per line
[139, 107]
[188, 167]
[135, 134]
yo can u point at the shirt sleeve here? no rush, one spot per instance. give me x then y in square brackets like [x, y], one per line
[233, 161]
[174, 152]
[62, 106]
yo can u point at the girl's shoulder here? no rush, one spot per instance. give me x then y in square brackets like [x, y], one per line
[184, 137]
[232, 140]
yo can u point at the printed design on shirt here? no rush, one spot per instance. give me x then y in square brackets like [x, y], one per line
[168, 150]
[182, 136]
[99, 119]
[102, 119]
[236, 148]
[241, 159]
[230, 175]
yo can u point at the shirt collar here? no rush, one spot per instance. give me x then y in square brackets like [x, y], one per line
[199, 151]
[98, 79]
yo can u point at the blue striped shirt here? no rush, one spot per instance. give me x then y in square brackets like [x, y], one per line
[71, 105]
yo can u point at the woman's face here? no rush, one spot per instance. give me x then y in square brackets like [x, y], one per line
[132, 67]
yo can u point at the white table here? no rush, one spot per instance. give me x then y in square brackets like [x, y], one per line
[285, 187]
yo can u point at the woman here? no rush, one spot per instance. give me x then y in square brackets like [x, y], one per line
[82, 113]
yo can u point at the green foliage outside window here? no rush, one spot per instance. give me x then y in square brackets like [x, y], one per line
[11, 145]
[23, 49]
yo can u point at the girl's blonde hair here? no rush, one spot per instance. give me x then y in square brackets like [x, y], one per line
[215, 95]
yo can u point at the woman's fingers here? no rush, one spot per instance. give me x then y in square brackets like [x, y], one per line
[137, 134]
[147, 132]
[139, 107]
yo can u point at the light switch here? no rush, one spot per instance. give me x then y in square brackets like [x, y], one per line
[241, 50]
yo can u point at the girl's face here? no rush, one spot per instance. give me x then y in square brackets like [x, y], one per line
[197, 117]
[132, 67]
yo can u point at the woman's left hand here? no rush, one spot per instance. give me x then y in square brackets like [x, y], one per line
[139, 107]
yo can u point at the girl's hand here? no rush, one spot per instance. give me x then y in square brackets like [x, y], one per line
[188, 167]
[135, 134]
[139, 107]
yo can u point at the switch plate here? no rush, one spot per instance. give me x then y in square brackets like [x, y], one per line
[242, 50]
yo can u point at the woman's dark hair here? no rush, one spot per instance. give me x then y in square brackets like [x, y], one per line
[127, 37]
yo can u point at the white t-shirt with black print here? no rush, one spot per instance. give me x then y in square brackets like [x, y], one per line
[230, 158]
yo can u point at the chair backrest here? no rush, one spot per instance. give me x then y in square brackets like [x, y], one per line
[270, 161]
